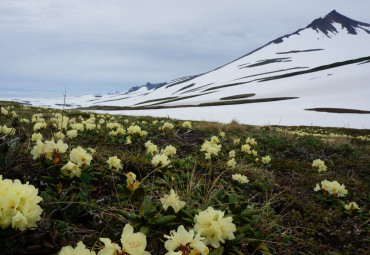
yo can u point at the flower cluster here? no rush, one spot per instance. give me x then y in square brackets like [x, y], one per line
[167, 126]
[39, 126]
[333, 188]
[132, 243]
[80, 157]
[172, 200]
[115, 163]
[134, 130]
[18, 205]
[71, 169]
[266, 160]
[79, 250]
[211, 147]
[231, 163]
[161, 160]
[212, 225]
[48, 148]
[187, 124]
[151, 148]
[319, 164]
[169, 151]
[240, 178]
[183, 240]
[7, 131]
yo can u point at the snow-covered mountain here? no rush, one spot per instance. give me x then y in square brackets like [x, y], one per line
[325, 65]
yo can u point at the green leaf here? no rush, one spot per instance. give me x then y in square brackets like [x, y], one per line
[145, 230]
[146, 206]
[218, 251]
[163, 220]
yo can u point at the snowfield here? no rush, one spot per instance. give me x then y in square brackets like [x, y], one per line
[344, 85]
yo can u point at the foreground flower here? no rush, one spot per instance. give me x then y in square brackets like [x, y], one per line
[115, 163]
[132, 184]
[183, 240]
[319, 164]
[214, 227]
[172, 200]
[132, 243]
[240, 178]
[169, 151]
[71, 169]
[80, 157]
[333, 188]
[79, 250]
[18, 205]
[161, 160]
[351, 206]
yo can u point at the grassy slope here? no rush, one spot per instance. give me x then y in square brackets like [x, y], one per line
[292, 217]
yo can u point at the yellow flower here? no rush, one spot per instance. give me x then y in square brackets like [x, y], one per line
[167, 126]
[151, 148]
[184, 240]
[246, 148]
[266, 160]
[187, 124]
[333, 188]
[161, 160]
[134, 129]
[109, 247]
[231, 163]
[236, 141]
[115, 163]
[351, 206]
[254, 153]
[36, 136]
[172, 200]
[222, 134]
[38, 126]
[133, 243]
[251, 141]
[80, 157]
[38, 150]
[169, 151]
[79, 250]
[214, 227]
[132, 184]
[232, 154]
[319, 164]
[72, 133]
[72, 169]
[18, 205]
[240, 178]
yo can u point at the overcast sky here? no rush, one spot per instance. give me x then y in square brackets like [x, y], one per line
[95, 46]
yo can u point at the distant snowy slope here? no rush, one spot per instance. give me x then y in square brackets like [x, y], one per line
[324, 65]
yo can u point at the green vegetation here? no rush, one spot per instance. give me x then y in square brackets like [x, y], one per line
[276, 212]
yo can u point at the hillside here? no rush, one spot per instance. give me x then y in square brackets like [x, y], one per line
[317, 75]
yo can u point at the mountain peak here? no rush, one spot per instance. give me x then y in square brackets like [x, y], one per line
[325, 25]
